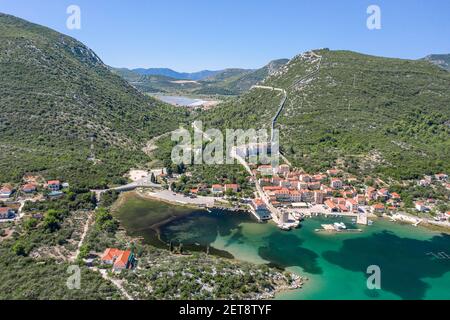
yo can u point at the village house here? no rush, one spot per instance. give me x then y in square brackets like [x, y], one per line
[333, 172]
[54, 185]
[29, 188]
[296, 196]
[396, 197]
[383, 194]
[217, 189]
[233, 187]
[441, 177]
[352, 205]
[318, 197]
[6, 213]
[284, 169]
[361, 199]
[314, 185]
[282, 195]
[264, 182]
[119, 259]
[268, 189]
[420, 206]
[305, 178]
[424, 183]
[302, 185]
[276, 181]
[327, 190]
[265, 170]
[285, 184]
[371, 193]
[319, 177]
[349, 193]
[5, 192]
[261, 209]
[307, 196]
[378, 208]
[331, 205]
[336, 183]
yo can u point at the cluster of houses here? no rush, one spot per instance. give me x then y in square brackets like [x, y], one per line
[7, 193]
[286, 187]
[440, 177]
[118, 259]
[428, 204]
[53, 186]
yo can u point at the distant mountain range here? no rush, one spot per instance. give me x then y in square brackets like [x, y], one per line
[232, 81]
[201, 75]
[384, 116]
[441, 60]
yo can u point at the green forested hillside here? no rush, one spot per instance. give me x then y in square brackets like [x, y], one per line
[55, 94]
[373, 115]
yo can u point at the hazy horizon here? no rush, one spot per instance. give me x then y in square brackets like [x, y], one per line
[215, 35]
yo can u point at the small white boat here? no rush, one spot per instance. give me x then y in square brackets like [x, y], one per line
[339, 226]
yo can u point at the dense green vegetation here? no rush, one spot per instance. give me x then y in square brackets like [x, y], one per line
[377, 115]
[173, 278]
[55, 95]
[34, 259]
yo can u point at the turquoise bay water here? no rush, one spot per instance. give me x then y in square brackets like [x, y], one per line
[335, 264]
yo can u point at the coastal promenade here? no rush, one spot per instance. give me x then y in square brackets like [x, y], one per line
[177, 198]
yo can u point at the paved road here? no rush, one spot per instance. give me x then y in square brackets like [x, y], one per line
[143, 183]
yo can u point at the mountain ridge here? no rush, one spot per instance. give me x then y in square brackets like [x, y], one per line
[441, 60]
[371, 115]
[66, 96]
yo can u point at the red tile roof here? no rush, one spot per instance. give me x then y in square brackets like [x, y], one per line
[122, 260]
[119, 257]
[52, 182]
[29, 186]
[330, 204]
[110, 254]
[378, 206]
[4, 210]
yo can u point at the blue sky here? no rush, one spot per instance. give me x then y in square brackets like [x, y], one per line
[191, 35]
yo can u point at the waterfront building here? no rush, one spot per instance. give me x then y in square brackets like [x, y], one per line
[217, 189]
[318, 197]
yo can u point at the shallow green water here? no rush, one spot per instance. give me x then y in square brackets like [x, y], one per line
[336, 264]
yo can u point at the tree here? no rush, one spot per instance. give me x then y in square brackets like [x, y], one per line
[52, 220]
[84, 251]
[19, 248]
[105, 221]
